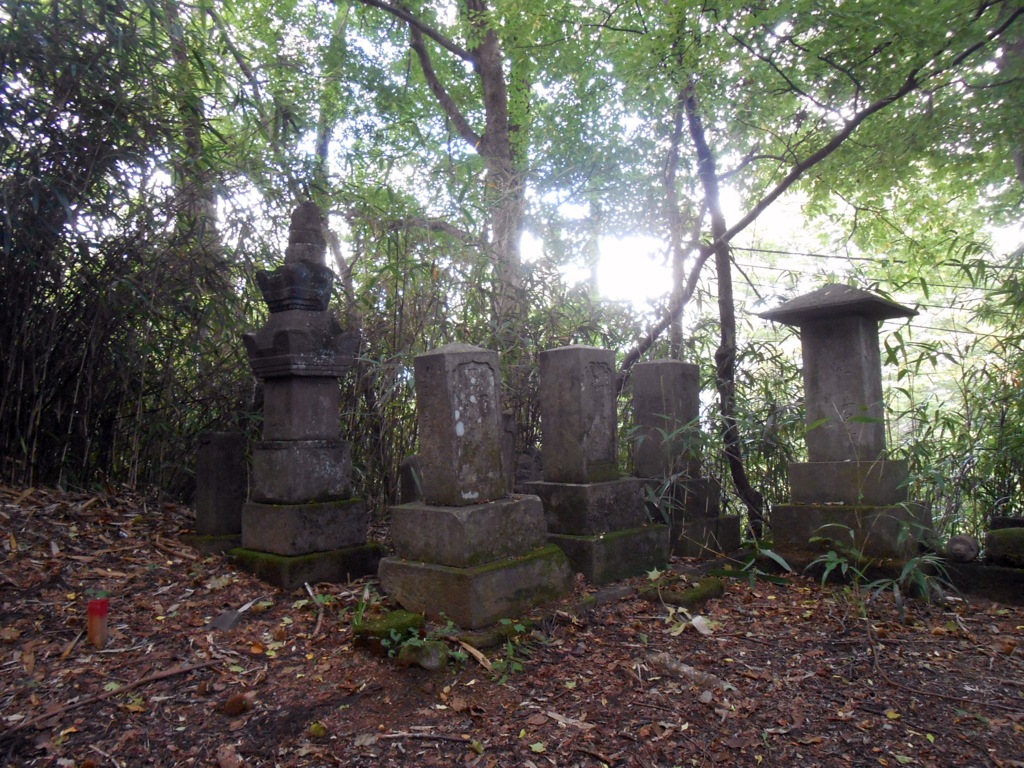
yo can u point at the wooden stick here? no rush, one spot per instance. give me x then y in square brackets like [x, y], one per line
[427, 737]
[319, 611]
[107, 694]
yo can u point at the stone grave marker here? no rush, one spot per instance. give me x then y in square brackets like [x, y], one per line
[468, 550]
[596, 517]
[222, 485]
[666, 402]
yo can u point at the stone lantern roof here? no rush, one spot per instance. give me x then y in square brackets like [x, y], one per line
[834, 300]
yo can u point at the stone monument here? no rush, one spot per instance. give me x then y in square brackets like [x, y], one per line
[221, 489]
[301, 522]
[666, 406]
[849, 484]
[468, 550]
[595, 516]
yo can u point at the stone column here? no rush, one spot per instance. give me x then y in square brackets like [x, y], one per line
[597, 517]
[666, 405]
[468, 550]
[301, 523]
[849, 484]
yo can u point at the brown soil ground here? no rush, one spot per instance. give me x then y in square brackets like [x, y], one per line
[807, 680]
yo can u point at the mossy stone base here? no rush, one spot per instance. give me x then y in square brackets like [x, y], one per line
[616, 555]
[292, 571]
[369, 632]
[211, 545]
[878, 532]
[477, 596]
[1005, 546]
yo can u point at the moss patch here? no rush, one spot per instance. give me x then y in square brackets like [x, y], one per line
[292, 571]
[706, 589]
[1006, 546]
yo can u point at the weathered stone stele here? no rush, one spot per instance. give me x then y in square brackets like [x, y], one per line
[301, 523]
[666, 405]
[595, 516]
[221, 488]
[466, 551]
[849, 484]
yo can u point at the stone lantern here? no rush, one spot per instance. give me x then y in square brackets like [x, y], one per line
[849, 482]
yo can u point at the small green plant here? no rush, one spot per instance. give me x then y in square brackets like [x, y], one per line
[514, 648]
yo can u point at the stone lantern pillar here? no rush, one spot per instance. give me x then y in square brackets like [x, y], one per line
[301, 522]
[849, 482]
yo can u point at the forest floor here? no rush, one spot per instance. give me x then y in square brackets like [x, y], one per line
[794, 673]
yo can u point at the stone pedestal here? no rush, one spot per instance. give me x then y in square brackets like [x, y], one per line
[849, 491]
[666, 406]
[595, 516]
[468, 551]
[301, 523]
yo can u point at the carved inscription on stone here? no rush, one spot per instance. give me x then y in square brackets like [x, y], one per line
[479, 462]
[599, 414]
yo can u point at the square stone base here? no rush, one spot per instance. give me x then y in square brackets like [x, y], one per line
[478, 596]
[300, 471]
[877, 532]
[336, 566]
[706, 537]
[852, 483]
[617, 555]
[298, 529]
[589, 509]
[211, 545]
[467, 536]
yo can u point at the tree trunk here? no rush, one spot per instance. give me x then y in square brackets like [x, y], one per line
[725, 356]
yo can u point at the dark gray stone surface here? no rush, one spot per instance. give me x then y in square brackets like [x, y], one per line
[707, 538]
[410, 479]
[460, 430]
[301, 343]
[681, 500]
[221, 483]
[853, 483]
[467, 536]
[962, 549]
[1005, 546]
[666, 400]
[298, 529]
[579, 421]
[618, 555]
[478, 596]
[878, 532]
[291, 572]
[301, 471]
[301, 408]
[834, 300]
[586, 509]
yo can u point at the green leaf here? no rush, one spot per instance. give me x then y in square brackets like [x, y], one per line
[538, 747]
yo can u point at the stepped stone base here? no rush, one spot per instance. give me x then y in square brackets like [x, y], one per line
[465, 536]
[291, 572]
[852, 483]
[878, 532]
[706, 537]
[589, 509]
[617, 555]
[480, 595]
[298, 529]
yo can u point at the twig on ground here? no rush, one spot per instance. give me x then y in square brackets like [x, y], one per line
[319, 611]
[426, 737]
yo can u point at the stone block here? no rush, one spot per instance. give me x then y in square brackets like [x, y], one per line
[460, 431]
[466, 536]
[617, 555]
[300, 343]
[587, 509]
[221, 483]
[1005, 546]
[878, 532]
[298, 529]
[301, 408]
[706, 538]
[681, 500]
[852, 483]
[410, 479]
[301, 471]
[666, 400]
[477, 596]
[579, 421]
[291, 572]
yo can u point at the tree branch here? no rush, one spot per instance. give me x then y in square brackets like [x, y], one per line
[446, 101]
[424, 28]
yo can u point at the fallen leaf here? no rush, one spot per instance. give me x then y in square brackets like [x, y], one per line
[538, 747]
[317, 730]
[700, 623]
[9, 634]
[227, 757]
[459, 704]
[366, 739]
[892, 715]
[538, 719]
